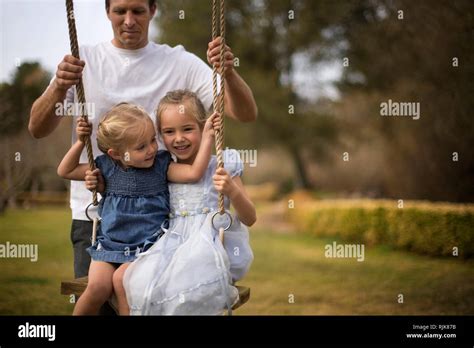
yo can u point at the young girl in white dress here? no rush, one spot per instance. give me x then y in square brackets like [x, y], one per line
[188, 271]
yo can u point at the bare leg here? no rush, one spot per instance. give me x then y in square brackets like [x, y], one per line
[120, 290]
[99, 289]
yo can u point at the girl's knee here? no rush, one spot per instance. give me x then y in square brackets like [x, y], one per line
[119, 275]
[100, 290]
[117, 279]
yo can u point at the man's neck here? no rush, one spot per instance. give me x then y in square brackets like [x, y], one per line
[118, 44]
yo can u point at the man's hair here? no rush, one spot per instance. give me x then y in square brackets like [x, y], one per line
[151, 3]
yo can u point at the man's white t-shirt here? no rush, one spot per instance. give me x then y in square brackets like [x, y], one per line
[113, 75]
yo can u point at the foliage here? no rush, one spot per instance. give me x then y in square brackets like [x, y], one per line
[426, 228]
[412, 51]
[16, 98]
[18, 152]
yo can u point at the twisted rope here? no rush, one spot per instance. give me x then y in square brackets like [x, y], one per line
[80, 87]
[218, 101]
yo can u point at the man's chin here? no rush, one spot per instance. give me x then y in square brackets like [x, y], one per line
[130, 44]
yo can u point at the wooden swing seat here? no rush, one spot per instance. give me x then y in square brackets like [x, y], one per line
[77, 286]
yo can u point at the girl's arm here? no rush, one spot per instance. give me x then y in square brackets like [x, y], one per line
[69, 168]
[186, 173]
[234, 189]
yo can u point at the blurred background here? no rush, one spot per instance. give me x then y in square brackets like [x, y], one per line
[329, 168]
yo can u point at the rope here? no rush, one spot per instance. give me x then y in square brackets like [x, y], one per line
[80, 87]
[218, 101]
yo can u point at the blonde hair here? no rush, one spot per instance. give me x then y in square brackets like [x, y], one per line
[180, 97]
[121, 126]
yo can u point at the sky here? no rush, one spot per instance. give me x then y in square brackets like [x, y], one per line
[36, 30]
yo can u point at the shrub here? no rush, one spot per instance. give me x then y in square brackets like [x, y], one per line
[422, 227]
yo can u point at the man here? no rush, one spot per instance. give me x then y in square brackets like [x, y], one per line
[130, 69]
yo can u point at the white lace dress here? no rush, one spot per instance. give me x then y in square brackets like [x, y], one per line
[188, 271]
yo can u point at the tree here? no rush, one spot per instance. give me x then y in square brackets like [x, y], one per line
[16, 99]
[416, 52]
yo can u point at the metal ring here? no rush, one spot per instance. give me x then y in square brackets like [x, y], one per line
[230, 220]
[87, 212]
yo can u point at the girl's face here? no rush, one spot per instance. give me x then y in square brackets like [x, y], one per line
[181, 133]
[141, 152]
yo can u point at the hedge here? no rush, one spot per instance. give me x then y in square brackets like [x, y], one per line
[422, 227]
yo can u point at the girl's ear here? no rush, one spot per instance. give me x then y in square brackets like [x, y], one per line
[114, 154]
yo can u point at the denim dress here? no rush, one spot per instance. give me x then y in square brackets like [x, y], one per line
[134, 208]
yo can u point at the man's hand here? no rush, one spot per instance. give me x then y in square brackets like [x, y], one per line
[214, 56]
[95, 181]
[69, 72]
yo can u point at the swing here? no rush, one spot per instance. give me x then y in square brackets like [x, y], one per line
[77, 286]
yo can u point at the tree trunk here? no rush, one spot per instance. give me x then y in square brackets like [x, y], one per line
[9, 196]
[302, 181]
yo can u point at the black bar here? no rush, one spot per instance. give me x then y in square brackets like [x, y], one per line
[314, 330]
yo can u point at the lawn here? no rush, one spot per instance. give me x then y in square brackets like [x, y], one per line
[32, 288]
[290, 274]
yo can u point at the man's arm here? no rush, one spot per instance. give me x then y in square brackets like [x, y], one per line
[43, 118]
[239, 101]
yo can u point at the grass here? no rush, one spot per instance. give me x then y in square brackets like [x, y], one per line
[290, 275]
[32, 288]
